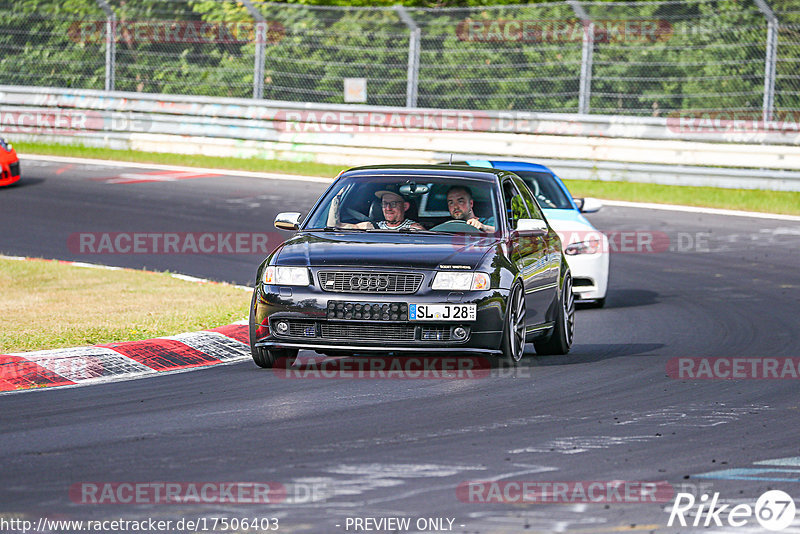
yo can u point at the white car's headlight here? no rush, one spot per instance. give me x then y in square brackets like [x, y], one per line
[286, 276]
[592, 246]
[461, 281]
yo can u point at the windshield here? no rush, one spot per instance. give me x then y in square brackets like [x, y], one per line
[407, 204]
[546, 190]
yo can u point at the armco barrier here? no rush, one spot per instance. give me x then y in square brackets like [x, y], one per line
[671, 150]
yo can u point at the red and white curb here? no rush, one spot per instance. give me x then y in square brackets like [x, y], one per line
[125, 360]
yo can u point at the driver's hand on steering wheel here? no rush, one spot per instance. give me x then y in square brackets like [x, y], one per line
[479, 225]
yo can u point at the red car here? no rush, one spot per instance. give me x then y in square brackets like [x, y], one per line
[9, 164]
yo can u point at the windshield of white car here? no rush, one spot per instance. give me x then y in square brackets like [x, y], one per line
[547, 191]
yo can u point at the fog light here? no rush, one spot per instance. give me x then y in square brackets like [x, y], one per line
[282, 327]
[459, 333]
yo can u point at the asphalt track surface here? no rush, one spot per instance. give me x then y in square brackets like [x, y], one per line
[400, 448]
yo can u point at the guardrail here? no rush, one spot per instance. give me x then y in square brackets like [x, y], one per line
[673, 150]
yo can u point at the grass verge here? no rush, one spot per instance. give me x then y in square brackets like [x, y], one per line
[711, 197]
[75, 306]
[785, 202]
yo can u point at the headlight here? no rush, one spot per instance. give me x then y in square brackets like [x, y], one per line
[286, 276]
[5, 145]
[461, 281]
[592, 246]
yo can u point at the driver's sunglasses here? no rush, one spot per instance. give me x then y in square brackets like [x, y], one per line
[394, 204]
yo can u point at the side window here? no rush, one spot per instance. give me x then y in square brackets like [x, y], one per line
[530, 202]
[514, 205]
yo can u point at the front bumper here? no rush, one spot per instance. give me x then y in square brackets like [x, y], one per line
[306, 311]
[589, 275]
[9, 171]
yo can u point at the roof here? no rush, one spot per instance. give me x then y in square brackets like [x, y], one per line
[444, 171]
[510, 165]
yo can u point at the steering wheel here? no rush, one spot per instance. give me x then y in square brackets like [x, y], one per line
[357, 215]
[456, 225]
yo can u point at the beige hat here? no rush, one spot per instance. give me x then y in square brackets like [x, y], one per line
[391, 190]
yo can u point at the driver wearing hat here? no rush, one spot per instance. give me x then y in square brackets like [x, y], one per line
[394, 207]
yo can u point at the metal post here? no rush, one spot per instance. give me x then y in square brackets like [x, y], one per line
[111, 43]
[769, 59]
[587, 57]
[414, 38]
[260, 52]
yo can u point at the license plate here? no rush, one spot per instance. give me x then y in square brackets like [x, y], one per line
[441, 312]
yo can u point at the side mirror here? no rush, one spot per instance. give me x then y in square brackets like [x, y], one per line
[534, 227]
[289, 220]
[588, 204]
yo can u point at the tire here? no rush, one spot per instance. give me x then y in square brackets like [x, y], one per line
[560, 340]
[513, 345]
[262, 357]
[269, 358]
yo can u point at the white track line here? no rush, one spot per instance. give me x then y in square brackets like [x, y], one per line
[134, 165]
[696, 209]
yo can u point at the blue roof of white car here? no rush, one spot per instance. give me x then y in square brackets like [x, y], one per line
[509, 165]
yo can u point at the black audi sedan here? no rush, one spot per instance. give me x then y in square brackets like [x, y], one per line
[411, 259]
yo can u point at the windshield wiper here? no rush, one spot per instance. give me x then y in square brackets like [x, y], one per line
[333, 229]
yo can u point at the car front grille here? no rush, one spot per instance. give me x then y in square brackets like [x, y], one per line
[368, 331]
[436, 333]
[302, 329]
[369, 282]
[376, 311]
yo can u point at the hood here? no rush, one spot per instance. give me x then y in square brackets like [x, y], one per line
[565, 215]
[382, 249]
[571, 226]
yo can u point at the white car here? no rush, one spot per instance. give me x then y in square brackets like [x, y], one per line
[585, 247]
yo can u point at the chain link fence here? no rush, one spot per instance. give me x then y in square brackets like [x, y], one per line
[652, 58]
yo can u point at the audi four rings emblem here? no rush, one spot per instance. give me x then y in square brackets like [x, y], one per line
[373, 281]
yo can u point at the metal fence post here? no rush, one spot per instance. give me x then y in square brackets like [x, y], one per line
[414, 36]
[260, 52]
[587, 56]
[769, 59]
[111, 44]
